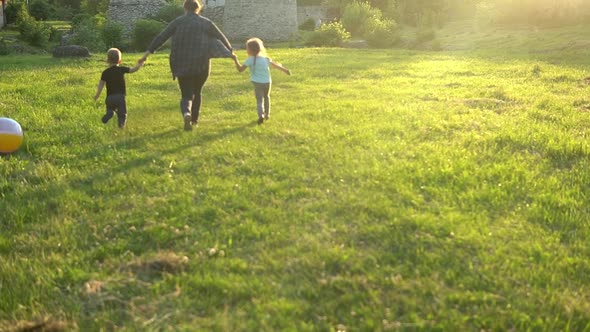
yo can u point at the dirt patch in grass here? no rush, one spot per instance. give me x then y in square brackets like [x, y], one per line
[45, 325]
[161, 263]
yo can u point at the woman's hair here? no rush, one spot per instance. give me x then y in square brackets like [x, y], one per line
[192, 6]
[256, 48]
[113, 56]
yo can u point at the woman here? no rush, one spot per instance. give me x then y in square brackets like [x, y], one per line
[193, 39]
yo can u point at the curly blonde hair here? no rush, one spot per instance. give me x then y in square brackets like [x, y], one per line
[113, 56]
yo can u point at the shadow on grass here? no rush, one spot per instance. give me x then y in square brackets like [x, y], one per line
[48, 199]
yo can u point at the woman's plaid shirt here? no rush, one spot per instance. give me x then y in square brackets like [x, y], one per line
[191, 37]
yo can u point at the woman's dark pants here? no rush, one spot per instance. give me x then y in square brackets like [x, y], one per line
[191, 88]
[116, 104]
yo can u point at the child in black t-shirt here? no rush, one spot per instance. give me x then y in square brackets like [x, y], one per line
[114, 79]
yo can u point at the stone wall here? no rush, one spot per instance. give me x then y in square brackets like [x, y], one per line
[215, 14]
[270, 20]
[127, 12]
[211, 3]
[317, 13]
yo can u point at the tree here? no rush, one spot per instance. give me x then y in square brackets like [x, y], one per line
[40, 9]
[94, 7]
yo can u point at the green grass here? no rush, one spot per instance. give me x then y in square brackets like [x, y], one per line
[391, 190]
[60, 25]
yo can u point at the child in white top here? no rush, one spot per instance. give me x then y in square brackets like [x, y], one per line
[259, 64]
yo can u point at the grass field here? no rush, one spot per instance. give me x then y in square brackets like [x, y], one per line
[391, 190]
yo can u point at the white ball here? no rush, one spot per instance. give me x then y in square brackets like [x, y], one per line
[11, 135]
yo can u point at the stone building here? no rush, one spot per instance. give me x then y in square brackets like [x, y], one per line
[127, 12]
[214, 3]
[270, 20]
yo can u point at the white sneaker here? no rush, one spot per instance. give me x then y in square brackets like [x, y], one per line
[187, 122]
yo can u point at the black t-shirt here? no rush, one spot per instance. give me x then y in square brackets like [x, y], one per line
[113, 76]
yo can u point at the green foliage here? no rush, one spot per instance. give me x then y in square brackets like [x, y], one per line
[4, 50]
[417, 12]
[356, 17]
[340, 4]
[41, 10]
[168, 13]
[331, 34]
[94, 7]
[307, 25]
[73, 5]
[425, 34]
[112, 34]
[381, 33]
[365, 21]
[436, 45]
[12, 10]
[88, 32]
[63, 13]
[79, 18]
[55, 34]
[536, 12]
[32, 31]
[144, 32]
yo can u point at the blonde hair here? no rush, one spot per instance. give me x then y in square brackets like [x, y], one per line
[256, 46]
[192, 6]
[113, 56]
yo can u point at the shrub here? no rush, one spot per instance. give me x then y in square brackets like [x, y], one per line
[430, 18]
[79, 18]
[308, 25]
[94, 7]
[332, 34]
[63, 13]
[168, 13]
[88, 34]
[112, 34]
[11, 11]
[425, 34]
[436, 45]
[55, 34]
[40, 9]
[356, 16]
[33, 32]
[4, 50]
[543, 13]
[144, 32]
[381, 33]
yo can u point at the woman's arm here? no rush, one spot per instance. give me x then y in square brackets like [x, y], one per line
[216, 33]
[239, 66]
[159, 40]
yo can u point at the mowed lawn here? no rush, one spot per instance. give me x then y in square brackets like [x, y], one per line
[391, 190]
